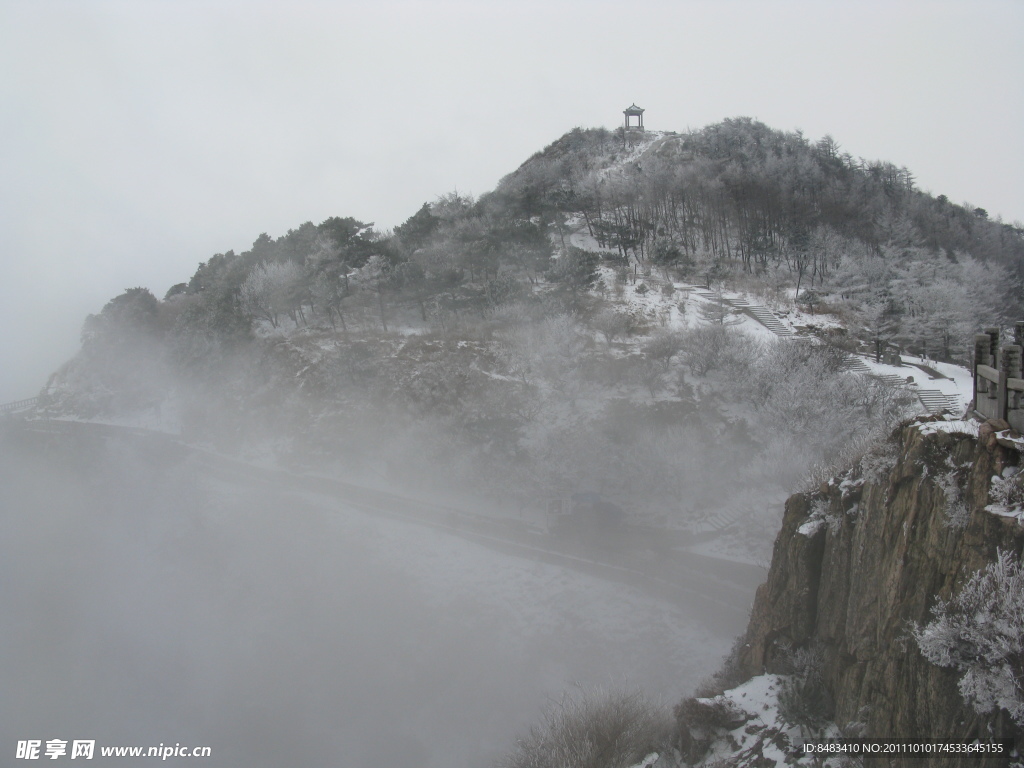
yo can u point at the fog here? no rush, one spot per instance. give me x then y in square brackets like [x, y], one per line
[152, 597]
[392, 532]
[157, 592]
[148, 600]
[138, 139]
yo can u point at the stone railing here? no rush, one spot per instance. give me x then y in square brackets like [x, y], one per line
[999, 378]
[19, 405]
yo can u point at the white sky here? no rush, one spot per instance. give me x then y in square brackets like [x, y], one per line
[139, 138]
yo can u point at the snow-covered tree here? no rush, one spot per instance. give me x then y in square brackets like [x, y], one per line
[1007, 493]
[613, 323]
[576, 270]
[881, 320]
[703, 347]
[373, 277]
[663, 346]
[980, 633]
[267, 290]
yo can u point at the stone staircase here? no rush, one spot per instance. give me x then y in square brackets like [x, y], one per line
[932, 399]
[763, 315]
[855, 364]
[891, 378]
[722, 520]
[767, 318]
[935, 402]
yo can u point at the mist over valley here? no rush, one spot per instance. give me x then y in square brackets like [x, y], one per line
[353, 496]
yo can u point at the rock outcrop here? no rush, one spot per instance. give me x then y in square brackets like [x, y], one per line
[864, 558]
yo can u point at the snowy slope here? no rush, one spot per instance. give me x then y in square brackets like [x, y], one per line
[758, 734]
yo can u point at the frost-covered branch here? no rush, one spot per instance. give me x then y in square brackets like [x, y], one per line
[980, 633]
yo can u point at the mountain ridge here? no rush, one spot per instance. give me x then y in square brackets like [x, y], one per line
[535, 322]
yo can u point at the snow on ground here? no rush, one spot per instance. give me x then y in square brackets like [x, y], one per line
[950, 424]
[762, 737]
[634, 152]
[953, 382]
[752, 327]
[800, 319]
[582, 238]
[946, 377]
[678, 310]
[957, 380]
[682, 309]
[1014, 513]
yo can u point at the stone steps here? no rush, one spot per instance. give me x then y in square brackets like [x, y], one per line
[851, 363]
[892, 378]
[935, 402]
[764, 316]
[722, 520]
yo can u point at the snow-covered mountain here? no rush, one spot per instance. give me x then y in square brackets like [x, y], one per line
[612, 370]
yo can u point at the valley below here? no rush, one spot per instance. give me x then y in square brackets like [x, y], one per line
[157, 594]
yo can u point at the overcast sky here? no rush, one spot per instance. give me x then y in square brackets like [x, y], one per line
[139, 138]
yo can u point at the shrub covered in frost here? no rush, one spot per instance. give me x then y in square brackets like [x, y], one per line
[700, 722]
[1007, 493]
[803, 698]
[613, 730]
[980, 633]
[877, 464]
[866, 455]
[822, 515]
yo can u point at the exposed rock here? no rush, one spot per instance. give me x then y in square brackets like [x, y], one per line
[987, 433]
[855, 587]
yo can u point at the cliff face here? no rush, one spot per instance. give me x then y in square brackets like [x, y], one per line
[866, 555]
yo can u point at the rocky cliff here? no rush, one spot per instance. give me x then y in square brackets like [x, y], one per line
[864, 558]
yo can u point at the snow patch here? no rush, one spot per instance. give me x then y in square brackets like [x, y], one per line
[949, 426]
[811, 527]
[763, 736]
[648, 762]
